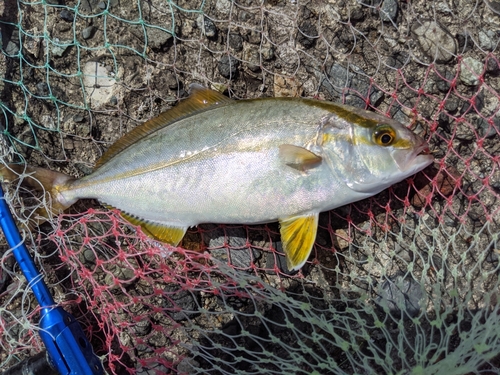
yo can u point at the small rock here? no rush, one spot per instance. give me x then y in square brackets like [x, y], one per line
[88, 32]
[267, 51]
[492, 66]
[307, 34]
[435, 41]
[228, 66]
[48, 122]
[42, 89]
[157, 38]
[230, 246]
[357, 14]
[252, 59]
[451, 104]
[244, 16]
[389, 10]
[487, 39]
[235, 42]
[206, 25]
[11, 49]
[340, 79]
[180, 304]
[494, 5]
[287, 56]
[494, 180]
[172, 82]
[470, 70]
[78, 118]
[398, 59]
[61, 46]
[102, 5]
[223, 6]
[444, 84]
[142, 327]
[400, 295]
[67, 15]
[188, 365]
[113, 100]
[486, 129]
[465, 43]
[156, 368]
[446, 182]
[286, 87]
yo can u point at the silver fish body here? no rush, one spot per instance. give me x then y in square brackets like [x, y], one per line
[250, 161]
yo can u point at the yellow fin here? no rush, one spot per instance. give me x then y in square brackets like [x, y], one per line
[298, 234]
[298, 157]
[200, 98]
[169, 234]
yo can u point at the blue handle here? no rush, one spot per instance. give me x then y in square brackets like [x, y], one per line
[69, 350]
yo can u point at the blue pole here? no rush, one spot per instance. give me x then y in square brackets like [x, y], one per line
[69, 350]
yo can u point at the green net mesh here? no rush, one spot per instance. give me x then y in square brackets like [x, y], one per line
[406, 282]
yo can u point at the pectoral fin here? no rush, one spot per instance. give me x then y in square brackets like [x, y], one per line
[169, 234]
[298, 234]
[298, 157]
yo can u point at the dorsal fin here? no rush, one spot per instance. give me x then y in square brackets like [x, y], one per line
[200, 98]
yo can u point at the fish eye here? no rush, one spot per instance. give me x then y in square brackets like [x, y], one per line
[384, 135]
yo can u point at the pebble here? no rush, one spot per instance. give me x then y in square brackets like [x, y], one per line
[228, 66]
[267, 51]
[230, 246]
[66, 15]
[102, 5]
[252, 59]
[157, 38]
[341, 78]
[307, 34]
[244, 16]
[236, 42]
[465, 43]
[492, 66]
[180, 304]
[389, 10]
[88, 32]
[495, 180]
[435, 41]
[397, 60]
[11, 49]
[485, 129]
[400, 295]
[59, 49]
[487, 39]
[451, 104]
[206, 25]
[444, 84]
[42, 89]
[470, 70]
[494, 5]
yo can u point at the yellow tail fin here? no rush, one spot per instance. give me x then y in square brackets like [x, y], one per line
[43, 180]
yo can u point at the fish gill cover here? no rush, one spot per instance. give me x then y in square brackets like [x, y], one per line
[404, 282]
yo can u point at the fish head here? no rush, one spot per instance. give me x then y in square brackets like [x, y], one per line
[370, 152]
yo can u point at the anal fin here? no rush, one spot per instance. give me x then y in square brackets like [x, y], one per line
[169, 234]
[298, 234]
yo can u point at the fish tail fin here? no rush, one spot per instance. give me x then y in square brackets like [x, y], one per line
[48, 182]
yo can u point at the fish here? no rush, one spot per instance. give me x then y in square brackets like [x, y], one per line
[212, 159]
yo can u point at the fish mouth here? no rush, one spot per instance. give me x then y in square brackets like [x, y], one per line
[411, 163]
[421, 157]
